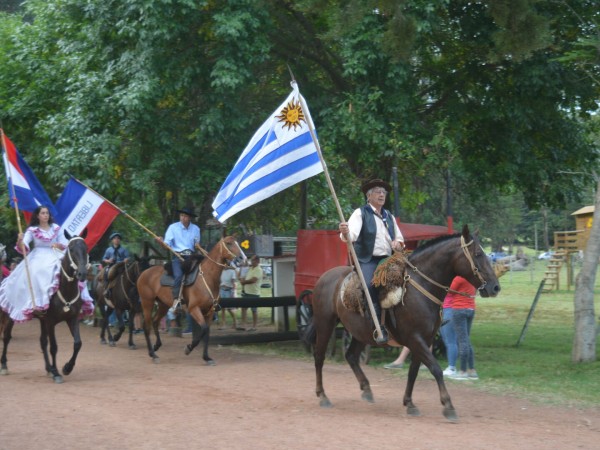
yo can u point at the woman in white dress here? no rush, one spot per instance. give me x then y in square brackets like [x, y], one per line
[49, 244]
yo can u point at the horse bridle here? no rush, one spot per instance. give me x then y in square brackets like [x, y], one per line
[474, 268]
[214, 299]
[128, 279]
[465, 248]
[74, 266]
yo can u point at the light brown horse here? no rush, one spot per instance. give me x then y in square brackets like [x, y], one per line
[201, 297]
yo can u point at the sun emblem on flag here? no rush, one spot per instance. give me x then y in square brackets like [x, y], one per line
[291, 115]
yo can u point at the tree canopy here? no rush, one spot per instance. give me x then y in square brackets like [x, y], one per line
[152, 101]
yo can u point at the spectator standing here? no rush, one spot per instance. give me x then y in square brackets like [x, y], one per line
[251, 289]
[227, 290]
[463, 313]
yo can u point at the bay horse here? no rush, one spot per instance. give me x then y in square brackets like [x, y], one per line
[201, 297]
[65, 306]
[413, 322]
[124, 297]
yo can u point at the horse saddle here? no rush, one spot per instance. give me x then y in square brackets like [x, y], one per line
[351, 293]
[188, 279]
[389, 279]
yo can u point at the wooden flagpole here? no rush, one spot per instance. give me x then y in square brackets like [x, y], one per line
[380, 338]
[19, 226]
[147, 230]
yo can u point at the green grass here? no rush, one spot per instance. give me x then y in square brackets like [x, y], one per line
[540, 369]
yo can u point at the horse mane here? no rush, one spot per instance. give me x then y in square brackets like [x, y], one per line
[433, 242]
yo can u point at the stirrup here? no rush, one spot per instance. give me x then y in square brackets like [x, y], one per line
[382, 338]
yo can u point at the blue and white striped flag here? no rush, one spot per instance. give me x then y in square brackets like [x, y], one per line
[280, 154]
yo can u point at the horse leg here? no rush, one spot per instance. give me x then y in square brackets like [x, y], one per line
[323, 333]
[131, 329]
[74, 329]
[121, 322]
[421, 353]
[104, 324]
[48, 337]
[7, 336]
[109, 311]
[353, 358]
[151, 322]
[200, 331]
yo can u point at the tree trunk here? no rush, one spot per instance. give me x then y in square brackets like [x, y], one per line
[584, 340]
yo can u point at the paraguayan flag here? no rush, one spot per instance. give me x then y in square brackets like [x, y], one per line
[280, 154]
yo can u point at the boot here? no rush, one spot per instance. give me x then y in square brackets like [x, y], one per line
[383, 338]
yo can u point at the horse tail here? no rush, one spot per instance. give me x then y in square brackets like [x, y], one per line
[310, 334]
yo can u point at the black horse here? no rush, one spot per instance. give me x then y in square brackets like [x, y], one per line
[124, 297]
[413, 322]
[65, 306]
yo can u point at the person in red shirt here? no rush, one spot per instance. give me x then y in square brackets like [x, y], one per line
[462, 303]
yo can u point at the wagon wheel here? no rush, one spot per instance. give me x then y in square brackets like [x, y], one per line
[304, 315]
[365, 355]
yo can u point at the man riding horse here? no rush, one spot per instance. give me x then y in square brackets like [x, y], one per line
[375, 233]
[113, 255]
[182, 237]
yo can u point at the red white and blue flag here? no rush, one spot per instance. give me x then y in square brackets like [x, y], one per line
[23, 186]
[79, 208]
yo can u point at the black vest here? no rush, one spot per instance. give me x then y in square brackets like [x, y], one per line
[365, 243]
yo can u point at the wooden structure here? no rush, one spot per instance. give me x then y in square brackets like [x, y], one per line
[567, 243]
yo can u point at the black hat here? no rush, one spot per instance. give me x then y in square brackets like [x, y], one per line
[114, 235]
[187, 211]
[376, 182]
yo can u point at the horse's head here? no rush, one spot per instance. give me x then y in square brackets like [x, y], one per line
[232, 252]
[475, 266]
[76, 256]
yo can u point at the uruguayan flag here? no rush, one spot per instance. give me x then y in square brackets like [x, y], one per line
[280, 154]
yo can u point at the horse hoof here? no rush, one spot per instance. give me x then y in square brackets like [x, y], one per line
[451, 415]
[325, 403]
[67, 371]
[133, 347]
[188, 349]
[413, 411]
[210, 362]
[156, 360]
[112, 344]
[3, 371]
[58, 379]
[102, 341]
[368, 396]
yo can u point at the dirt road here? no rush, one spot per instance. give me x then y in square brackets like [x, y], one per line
[117, 398]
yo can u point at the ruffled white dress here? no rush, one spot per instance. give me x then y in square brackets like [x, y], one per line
[44, 272]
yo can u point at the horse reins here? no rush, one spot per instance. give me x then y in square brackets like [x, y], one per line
[205, 253]
[128, 279]
[74, 266]
[464, 246]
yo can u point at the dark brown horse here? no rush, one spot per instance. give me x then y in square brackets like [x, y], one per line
[201, 297]
[413, 322]
[124, 297]
[65, 306]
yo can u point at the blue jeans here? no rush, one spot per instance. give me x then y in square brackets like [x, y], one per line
[449, 337]
[368, 270]
[462, 319]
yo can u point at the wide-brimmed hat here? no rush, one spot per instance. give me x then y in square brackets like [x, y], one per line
[376, 182]
[186, 210]
[114, 235]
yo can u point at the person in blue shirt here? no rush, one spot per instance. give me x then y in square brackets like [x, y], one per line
[114, 254]
[182, 237]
